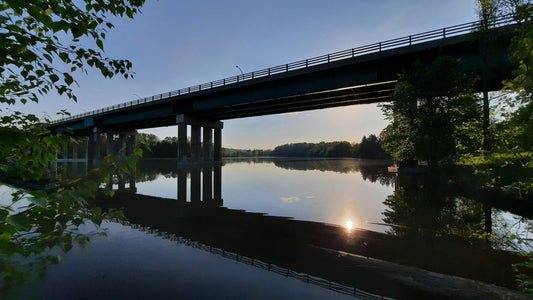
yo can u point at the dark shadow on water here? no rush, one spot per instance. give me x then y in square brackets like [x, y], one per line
[430, 226]
[433, 235]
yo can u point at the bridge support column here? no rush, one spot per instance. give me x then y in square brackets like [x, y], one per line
[196, 143]
[94, 144]
[207, 144]
[109, 144]
[131, 142]
[201, 150]
[75, 151]
[217, 151]
[64, 152]
[182, 142]
[86, 147]
[122, 144]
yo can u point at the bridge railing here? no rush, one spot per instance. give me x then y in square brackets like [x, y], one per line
[306, 63]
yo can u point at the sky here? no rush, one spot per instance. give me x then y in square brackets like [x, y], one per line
[175, 44]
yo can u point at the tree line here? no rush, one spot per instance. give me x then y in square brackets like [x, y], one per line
[369, 147]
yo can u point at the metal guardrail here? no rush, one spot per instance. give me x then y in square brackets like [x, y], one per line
[327, 284]
[306, 63]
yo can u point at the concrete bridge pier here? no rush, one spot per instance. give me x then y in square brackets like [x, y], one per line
[105, 142]
[64, 152]
[95, 144]
[74, 152]
[126, 142]
[109, 143]
[204, 149]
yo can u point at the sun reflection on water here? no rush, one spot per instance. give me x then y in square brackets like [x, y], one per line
[349, 225]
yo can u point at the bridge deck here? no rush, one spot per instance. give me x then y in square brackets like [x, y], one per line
[355, 76]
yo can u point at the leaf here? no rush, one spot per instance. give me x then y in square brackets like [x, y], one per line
[3, 214]
[5, 237]
[64, 57]
[100, 44]
[38, 201]
[77, 221]
[54, 77]
[38, 194]
[47, 56]
[20, 221]
[138, 152]
[68, 78]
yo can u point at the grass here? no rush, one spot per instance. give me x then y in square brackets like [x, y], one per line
[500, 159]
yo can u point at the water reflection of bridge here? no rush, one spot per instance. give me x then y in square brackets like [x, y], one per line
[270, 267]
[320, 250]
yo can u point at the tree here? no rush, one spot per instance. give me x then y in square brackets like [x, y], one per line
[517, 128]
[37, 35]
[146, 138]
[522, 54]
[513, 134]
[488, 11]
[341, 149]
[430, 109]
[42, 49]
[371, 147]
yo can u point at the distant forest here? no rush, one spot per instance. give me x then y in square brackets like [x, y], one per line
[369, 147]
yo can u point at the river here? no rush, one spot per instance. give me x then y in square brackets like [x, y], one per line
[286, 228]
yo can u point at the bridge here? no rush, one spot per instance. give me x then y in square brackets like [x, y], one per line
[359, 75]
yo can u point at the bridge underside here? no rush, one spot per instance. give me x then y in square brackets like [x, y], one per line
[363, 94]
[358, 80]
[361, 79]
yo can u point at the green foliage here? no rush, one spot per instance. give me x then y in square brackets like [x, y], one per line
[522, 54]
[513, 133]
[368, 148]
[43, 46]
[511, 169]
[38, 36]
[433, 113]
[27, 147]
[323, 149]
[37, 221]
[524, 280]
[168, 147]
[245, 153]
[146, 139]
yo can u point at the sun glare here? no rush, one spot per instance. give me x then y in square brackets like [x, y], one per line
[349, 225]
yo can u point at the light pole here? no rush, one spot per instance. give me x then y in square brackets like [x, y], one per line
[242, 74]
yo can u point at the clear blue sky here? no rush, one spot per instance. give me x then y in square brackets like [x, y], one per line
[175, 44]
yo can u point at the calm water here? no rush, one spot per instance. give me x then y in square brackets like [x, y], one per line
[267, 228]
[331, 191]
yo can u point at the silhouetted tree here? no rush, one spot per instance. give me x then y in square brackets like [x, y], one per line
[431, 109]
[371, 148]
